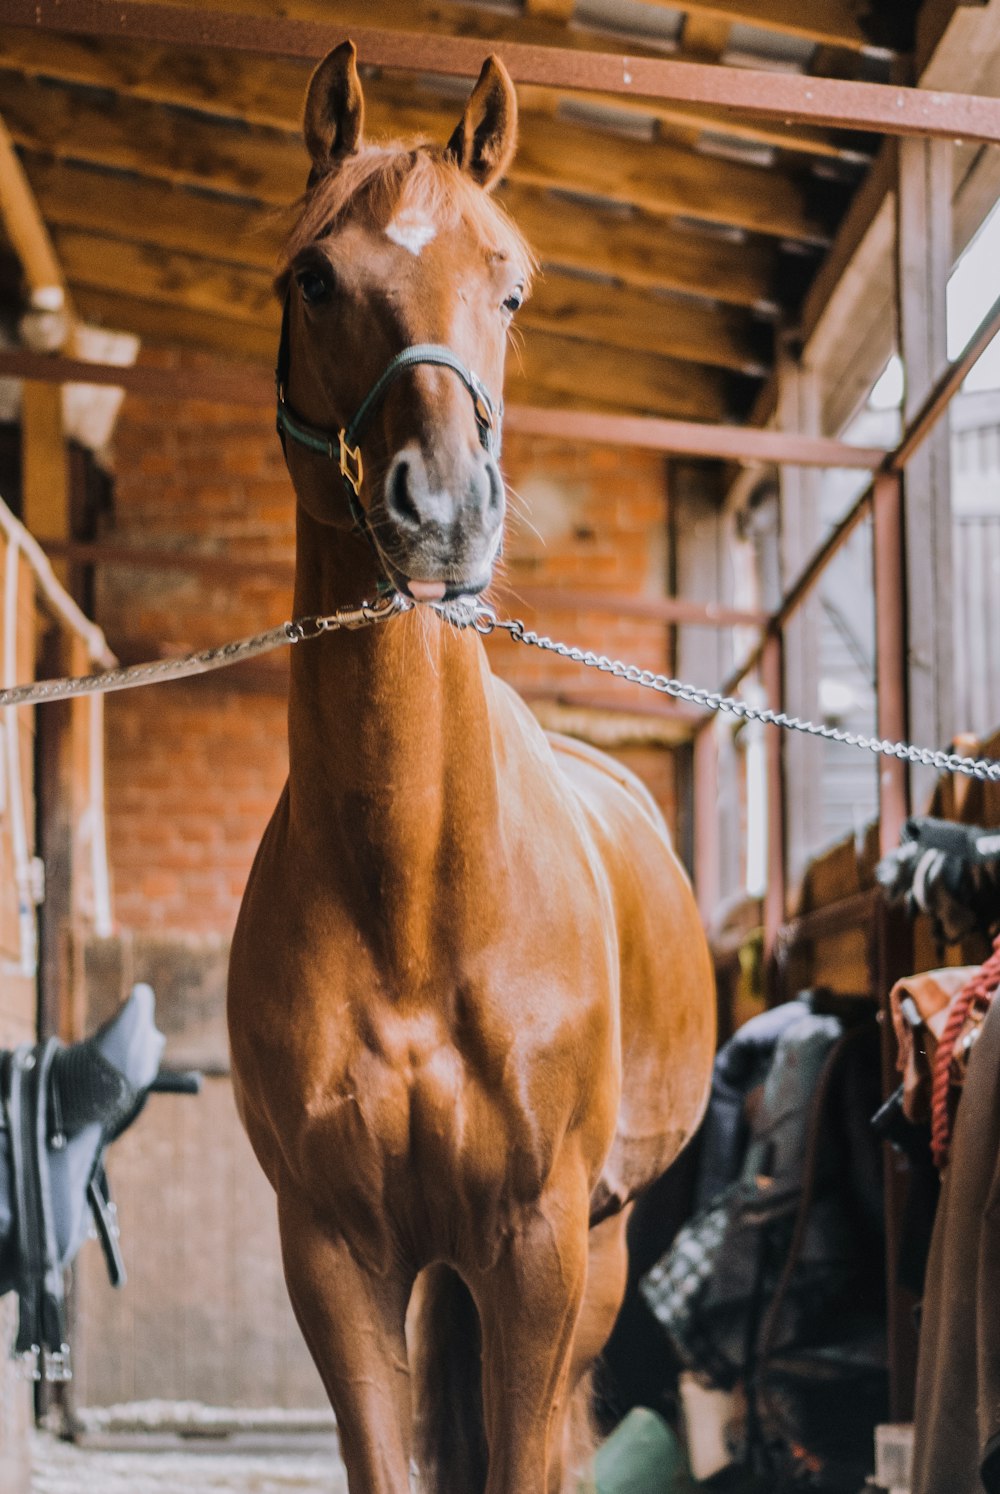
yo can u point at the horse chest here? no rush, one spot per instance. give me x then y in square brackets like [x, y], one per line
[442, 1113]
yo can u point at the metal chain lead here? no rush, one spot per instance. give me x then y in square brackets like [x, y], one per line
[467, 612]
[130, 676]
[985, 768]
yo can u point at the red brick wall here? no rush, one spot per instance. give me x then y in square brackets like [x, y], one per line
[193, 777]
[194, 770]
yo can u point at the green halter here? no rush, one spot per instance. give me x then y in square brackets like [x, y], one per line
[343, 446]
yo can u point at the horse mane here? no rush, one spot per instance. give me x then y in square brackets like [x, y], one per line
[379, 180]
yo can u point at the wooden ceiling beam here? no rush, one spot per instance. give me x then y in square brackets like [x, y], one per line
[165, 325]
[594, 311]
[584, 310]
[583, 374]
[246, 384]
[236, 292]
[555, 10]
[553, 370]
[636, 249]
[705, 37]
[270, 93]
[27, 231]
[268, 165]
[541, 23]
[842, 103]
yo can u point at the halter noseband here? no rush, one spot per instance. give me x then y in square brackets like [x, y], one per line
[343, 445]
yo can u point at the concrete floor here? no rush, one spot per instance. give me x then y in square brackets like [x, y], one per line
[282, 1465]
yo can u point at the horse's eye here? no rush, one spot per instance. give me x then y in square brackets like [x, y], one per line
[514, 300]
[314, 285]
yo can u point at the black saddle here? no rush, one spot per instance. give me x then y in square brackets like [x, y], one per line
[61, 1108]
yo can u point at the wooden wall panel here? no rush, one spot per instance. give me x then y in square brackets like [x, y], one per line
[17, 1025]
[205, 1315]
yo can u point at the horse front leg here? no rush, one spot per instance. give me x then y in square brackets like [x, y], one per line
[353, 1322]
[528, 1305]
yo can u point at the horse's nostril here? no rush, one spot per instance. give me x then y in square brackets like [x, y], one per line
[400, 503]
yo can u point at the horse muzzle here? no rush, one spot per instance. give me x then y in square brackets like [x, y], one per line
[439, 531]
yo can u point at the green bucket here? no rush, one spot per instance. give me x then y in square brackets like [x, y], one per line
[642, 1456]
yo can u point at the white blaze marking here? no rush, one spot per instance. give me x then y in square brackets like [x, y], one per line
[411, 230]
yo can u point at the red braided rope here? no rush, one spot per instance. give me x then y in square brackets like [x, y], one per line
[979, 987]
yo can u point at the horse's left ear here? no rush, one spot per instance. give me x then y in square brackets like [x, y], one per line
[486, 137]
[335, 109]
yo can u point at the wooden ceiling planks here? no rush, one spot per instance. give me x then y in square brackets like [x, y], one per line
[270, 165]
[618, 316]
[551, 371]
[271, 92]
[634, 249]
[188, 229]
[845, 103]
[583, 310]
[545, 24]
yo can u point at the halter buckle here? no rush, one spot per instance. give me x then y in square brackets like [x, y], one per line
[349, 455]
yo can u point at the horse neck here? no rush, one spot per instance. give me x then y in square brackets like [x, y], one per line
[391, 750]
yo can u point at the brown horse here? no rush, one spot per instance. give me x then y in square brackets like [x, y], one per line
[470, 1003]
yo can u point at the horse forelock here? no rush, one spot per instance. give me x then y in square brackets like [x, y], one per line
[382, 181]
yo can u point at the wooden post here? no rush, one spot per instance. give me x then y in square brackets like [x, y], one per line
[801, 532]
[893, 937]
[707, 869]
[890, 652]
[923, 264]
[45, 495]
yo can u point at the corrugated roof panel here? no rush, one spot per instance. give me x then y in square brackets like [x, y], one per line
[634, 124]
[775, 51]
[656, 25]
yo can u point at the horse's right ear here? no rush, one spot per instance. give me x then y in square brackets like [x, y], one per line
[335, 109]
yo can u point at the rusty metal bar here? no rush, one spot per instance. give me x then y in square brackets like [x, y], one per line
[225, 383]
[801, 587]
[844, 104]
[772, 678]
[945, 388]
[686, 718]
[893, 957]
[890, 652]
[707, 844]
[693, 438]
[282, 572]
[658, 609]
[231, 383]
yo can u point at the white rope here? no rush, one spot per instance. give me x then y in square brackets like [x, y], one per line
[23, 879]
[28, 870]
[54, 592]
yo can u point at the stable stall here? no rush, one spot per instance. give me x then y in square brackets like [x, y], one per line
[751, 448]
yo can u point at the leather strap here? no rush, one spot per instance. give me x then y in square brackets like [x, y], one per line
[42, 1320]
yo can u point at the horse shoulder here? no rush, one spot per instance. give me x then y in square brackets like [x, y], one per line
[667, 992]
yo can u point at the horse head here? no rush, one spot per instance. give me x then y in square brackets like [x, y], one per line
[400, 281]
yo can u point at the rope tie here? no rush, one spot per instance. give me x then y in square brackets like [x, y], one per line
[978, 990]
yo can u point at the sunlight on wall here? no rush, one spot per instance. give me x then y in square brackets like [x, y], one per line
[972, 290]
